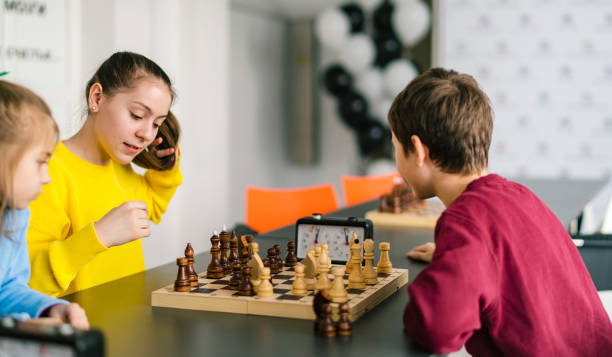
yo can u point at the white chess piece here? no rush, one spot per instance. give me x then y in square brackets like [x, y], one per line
[369, 274]
[299, 284]
[265, 288]
[338, 293]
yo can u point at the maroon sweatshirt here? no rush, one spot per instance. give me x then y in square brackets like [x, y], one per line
[506, 279]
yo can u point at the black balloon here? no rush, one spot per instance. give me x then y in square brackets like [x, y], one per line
[388, 48]
[353, 109]
[337, 80]
[382, 17]
[355, 15]
[373, 138]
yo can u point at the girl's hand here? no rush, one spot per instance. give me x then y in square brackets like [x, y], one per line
[162, 152]
[422, 252]
[72, 313]
[123, 224]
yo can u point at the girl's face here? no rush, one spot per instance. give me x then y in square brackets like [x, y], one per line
[32, 173]
[127, 122]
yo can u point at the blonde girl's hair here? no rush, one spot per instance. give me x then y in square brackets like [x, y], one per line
[25, 119]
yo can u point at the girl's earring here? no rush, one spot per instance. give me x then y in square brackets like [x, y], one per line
[94, 108]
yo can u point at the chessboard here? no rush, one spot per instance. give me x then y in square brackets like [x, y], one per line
[423, 215]
[215, 295]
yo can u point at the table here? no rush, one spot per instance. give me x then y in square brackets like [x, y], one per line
[122, 308]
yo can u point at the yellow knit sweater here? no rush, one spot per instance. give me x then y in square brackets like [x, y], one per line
[65, 253]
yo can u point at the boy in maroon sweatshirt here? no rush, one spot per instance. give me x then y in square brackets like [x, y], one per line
[505, 277]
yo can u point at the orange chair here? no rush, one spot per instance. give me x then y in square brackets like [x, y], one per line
[271, 208]
[359, 189]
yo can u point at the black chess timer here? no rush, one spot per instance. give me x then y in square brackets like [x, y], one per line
[27, 339]
[334, 231]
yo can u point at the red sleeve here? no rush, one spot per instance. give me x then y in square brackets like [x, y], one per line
[448, 297]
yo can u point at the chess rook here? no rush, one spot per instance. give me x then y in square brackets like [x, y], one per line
[182, 282]
[356, 280]
[338, 293]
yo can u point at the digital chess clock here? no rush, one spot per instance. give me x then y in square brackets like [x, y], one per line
[333, 231]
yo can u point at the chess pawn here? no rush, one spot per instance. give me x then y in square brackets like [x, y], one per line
[327, 328]
[182, 282]
[245, 288]
[325, 251]
[338, 293]
[355, 278]
[193, 276]
[223, 259]
[290, 258]
[384, 264]
[299, 284]
[349, 262]
[369, 274]
[344, 326]
[233, 256]
[272, 261]
[279, 261]
[234, 282]
[265, 289]
[214, 270]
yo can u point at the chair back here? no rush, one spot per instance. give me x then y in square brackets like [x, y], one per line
[359, 189]
[271, 208]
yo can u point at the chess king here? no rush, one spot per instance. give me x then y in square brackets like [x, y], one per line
[87, 223]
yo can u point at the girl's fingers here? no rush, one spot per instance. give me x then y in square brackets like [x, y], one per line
[165, 152]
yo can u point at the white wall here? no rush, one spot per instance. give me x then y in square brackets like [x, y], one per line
[258, 147]
[189, 39]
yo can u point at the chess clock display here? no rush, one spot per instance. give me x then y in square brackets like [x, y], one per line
[333, 231]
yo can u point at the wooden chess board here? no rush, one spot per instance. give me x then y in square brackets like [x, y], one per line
[215, 295]
[425, 215]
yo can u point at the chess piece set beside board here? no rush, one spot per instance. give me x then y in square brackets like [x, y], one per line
[238, 280]
[401, 208]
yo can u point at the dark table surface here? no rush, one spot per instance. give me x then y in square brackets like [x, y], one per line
[122, 310]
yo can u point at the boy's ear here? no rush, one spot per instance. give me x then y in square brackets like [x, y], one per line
[421, 150]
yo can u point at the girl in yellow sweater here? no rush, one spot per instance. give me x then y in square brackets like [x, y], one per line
[86, 224]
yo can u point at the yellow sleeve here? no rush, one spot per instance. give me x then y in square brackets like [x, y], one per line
[57, 254]
[158, 187]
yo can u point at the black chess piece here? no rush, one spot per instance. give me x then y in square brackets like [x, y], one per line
[246, 287]
[327, 328]
[223, 259]
[234, 282]
[279, 261]
[182, 282]
[193, 276]
[233, 255]
[214, 270]
[344, 325]
[291, 259]
[272, 261]
[319, 301]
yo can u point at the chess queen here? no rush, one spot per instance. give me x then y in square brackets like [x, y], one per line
[87, 223]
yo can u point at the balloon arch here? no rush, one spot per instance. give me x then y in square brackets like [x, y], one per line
[370, 68]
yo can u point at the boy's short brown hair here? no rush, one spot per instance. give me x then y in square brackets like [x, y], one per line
[450, 114]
